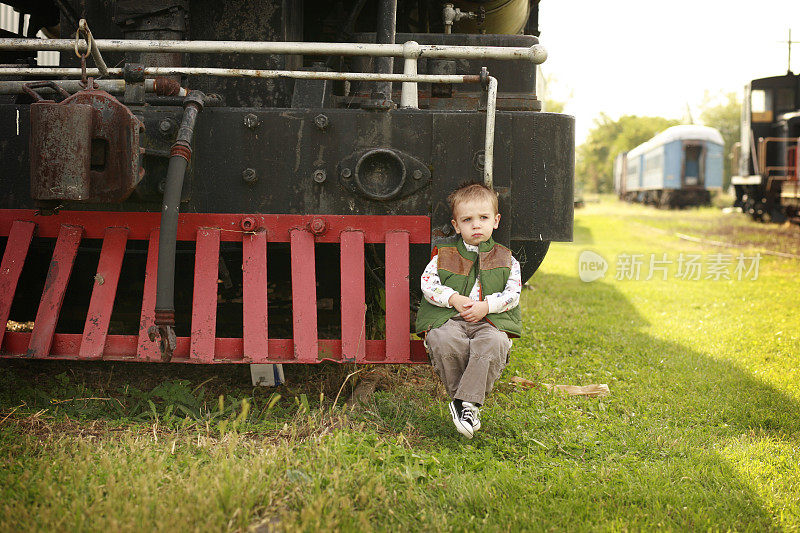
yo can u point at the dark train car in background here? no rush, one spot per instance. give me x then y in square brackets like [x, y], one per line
[765, 161]
[260, 181]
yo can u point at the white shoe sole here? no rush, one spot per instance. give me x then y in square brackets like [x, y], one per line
[465, 430]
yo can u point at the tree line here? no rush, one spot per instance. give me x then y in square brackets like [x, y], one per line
[608, 138]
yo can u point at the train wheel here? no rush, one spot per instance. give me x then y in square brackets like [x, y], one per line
[530, 255]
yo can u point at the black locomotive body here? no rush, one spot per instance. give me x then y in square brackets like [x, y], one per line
[281, 146]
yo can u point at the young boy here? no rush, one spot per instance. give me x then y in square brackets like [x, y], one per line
[471, 305]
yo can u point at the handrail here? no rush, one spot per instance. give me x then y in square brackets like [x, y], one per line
[762, 150]
[249, 73]
[535, 54]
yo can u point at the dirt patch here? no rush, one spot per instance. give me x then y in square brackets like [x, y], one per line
[734, 228]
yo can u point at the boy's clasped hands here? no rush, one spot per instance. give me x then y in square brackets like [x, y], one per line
[470, 310]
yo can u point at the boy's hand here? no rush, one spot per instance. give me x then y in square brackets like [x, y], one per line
[460, 302]
[475, 311]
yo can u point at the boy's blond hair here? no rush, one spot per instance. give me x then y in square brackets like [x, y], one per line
[469, 192]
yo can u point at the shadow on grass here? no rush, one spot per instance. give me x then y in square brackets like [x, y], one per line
[118, 392]
[649, 454]
[647, 457]
[581, 234]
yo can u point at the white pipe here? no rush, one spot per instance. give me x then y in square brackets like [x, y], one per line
[488, 150]
[536, 53]
[249, 73]
[409, 96]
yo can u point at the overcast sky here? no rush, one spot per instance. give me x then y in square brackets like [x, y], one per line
[632, 57]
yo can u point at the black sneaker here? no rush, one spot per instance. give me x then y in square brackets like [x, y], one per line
[471, 411]
[464, 427]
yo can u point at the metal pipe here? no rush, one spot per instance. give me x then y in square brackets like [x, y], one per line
[72, 86]
[386, 26]
[165, 282]
[488, 149]
[408, 95]
[536, 53]
[250, 73]
[109, 86]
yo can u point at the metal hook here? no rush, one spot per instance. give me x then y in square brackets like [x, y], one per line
[91, 48]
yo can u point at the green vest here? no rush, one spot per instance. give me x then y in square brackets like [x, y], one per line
[458, 269]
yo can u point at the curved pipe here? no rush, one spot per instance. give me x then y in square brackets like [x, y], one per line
[165, 284]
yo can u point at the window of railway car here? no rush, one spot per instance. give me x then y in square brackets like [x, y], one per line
[633, 167]
[761, 105]
[655, 160]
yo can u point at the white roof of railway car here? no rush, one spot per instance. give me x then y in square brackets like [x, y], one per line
[684, 132]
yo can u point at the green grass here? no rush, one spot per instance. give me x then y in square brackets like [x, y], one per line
[701, 431]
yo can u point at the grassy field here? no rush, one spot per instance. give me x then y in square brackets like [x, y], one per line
[701, 430]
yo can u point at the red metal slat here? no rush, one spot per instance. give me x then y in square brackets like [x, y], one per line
[254, 308]
[146, 349]
[123, 348]
[204, 297]
[55, 286]
[103, 293]
[304, 297]
[398, 314]
[232, 225]
[19, 240]
[353, 297]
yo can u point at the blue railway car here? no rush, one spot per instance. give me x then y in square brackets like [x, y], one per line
[678, 167]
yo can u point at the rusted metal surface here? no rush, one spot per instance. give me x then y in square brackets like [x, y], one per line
[164, 86]
[61, 151]
[85, 148]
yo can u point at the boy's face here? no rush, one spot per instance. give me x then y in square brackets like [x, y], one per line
[475, 220]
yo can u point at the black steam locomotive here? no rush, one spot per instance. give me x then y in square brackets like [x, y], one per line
[260, 181]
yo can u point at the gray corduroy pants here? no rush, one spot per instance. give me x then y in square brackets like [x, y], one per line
[468, 357]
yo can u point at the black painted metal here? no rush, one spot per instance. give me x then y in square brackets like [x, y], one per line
[534, 174]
